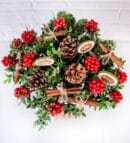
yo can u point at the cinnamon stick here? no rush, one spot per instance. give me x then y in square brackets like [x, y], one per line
[69, 89]
[56, 92]
[88, 102]
[59, 33]
[39, 39]
[18, 69]
[59, 93]
[113, 57]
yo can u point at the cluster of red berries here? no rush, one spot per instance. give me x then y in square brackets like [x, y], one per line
[28, 36]
[9, 60]
[16, 43]
[91, 25]
[59, 24]
[122, 76]
[92, 63]
[96, 86]
[28, 59]
[21, 91]
[116, 96]
[54, 108]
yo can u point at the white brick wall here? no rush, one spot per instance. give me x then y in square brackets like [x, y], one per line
[113, 15]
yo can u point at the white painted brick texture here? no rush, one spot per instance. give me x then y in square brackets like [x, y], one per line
[113, 15]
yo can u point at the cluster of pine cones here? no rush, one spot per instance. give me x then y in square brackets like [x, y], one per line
[74, 73]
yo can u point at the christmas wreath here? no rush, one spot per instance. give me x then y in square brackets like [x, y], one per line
[66, 67]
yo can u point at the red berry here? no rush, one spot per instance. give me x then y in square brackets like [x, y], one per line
[59, 24]
[53, 104]
[92, 63]
[53, 112]
[91, 25]
[9, 60]
[116, 96]
[96, 86]
[122, 76]
[56, 108]
[16, 43]
[28, 59]
[21, 91]
[28, 36]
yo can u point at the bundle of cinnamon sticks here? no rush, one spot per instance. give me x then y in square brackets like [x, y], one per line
[113, 57]
[72, 90]
[57, 92]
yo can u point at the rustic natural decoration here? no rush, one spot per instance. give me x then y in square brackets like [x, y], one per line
[68, 48]
[56, 92]
[65, 68]
[37, 79]
[114, 58]
[75, 73]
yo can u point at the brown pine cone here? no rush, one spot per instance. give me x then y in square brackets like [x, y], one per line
[75, 73]
[37, 79]
[68, 48]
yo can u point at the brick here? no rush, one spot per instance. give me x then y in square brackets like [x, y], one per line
[98, 5]
[102, 16]
[42, 16]
[115, 27]
[2, 35]
[124, 16]
[50, 4]
[36, 27]
[97, 1]
[123, 36]
[12, 27]
[15, 15]
[11, 35]
[8, 5]
[4, 47]
[25, 17]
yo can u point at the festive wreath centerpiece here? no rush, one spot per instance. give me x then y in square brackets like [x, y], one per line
[66, 67]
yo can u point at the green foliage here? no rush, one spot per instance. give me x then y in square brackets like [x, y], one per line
[79, 26]
[43, 118]
[37, 100]
[73, 110]
[105, 104]
[9, 78]
[53, 76]
[9, 74]
[70, 19]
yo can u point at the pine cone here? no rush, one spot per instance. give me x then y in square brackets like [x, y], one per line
[37, 79]
[68, 48]
[75, 73]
